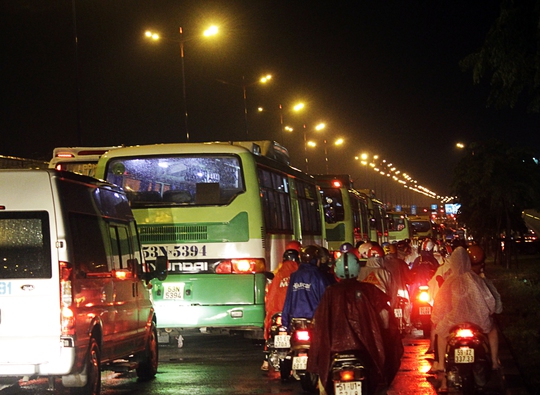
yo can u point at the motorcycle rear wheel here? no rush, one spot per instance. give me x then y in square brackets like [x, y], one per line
[285, 367]
[309, 382]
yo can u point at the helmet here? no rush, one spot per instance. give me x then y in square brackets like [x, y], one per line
[347, 266]
[346, 247]
[375, 251]
[294, 245]
[364, 249]
[310, 254]
[325, 258]
[427, 245]
[386, 247]
[291, 255]
[392, 249]
[476, 254]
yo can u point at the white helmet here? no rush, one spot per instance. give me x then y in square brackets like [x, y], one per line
[428, 245]
[364, 248]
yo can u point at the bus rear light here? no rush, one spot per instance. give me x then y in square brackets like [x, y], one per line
[336, 184]
[65, 155]
[241, 266]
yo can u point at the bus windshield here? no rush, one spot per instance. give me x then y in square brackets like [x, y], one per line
[178, 180]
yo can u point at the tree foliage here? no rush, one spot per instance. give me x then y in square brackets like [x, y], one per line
[495, 182]
[510, 56]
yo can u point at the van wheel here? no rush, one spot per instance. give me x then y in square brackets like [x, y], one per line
[148, 365]
[93, 371]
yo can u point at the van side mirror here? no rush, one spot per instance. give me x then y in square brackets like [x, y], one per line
[161, 268]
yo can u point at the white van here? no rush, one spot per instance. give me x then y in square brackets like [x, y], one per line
[74, 294]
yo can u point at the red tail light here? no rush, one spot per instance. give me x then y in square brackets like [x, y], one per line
[423, 296]
[465, 333]
[241, 266]
[302, 336]
[346, 375]
[67, 317]
[278, 320]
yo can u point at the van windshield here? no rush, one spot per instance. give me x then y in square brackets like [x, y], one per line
[25, 245]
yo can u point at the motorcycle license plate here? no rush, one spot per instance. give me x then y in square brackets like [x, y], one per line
[426, 310]
[299, 363]
[282, 341]
[464, 355]
[398, 313]
[347, 387]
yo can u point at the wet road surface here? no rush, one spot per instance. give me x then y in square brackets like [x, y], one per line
[230, 365]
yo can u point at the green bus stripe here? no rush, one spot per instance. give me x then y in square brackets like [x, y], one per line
[235, 230]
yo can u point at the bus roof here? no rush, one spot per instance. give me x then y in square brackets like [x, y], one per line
[261, 148]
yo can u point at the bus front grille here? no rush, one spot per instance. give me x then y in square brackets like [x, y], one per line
[171, 233]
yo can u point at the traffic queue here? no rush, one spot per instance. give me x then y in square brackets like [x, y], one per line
[337, 326]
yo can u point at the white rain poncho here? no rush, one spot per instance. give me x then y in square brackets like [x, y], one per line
[463, 297]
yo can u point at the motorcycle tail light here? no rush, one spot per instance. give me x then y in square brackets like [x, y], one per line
[423, 296]
[346, 375]
[465, 333]
[302, 336]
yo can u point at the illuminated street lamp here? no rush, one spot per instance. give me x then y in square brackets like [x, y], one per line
[212, 30]
[244, 86]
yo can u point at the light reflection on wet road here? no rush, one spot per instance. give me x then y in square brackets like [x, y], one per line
[230, 365]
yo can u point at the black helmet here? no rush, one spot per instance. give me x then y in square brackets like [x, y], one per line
[291, 255]
[325, 258]
[310, 254]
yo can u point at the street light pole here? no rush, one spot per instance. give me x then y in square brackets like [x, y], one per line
[244, 90]
[212, 30]
[184, 85]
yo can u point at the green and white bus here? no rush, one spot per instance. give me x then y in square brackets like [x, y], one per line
[378, 219]
[399, 227]
[345, 211]
[223, 214]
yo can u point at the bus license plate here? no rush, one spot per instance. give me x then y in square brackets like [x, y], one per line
[425, 310]
[174, 291]
[282, 341]
[299, 363]
[398, 313]
[347, 387]
[464, 355]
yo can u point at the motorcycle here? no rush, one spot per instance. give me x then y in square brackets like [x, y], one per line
[278, 344]
[296, 360]
[468, 358]
[399, 313]
[421, 310]
[348, 372]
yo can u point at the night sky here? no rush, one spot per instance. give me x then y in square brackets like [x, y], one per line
[384, 75]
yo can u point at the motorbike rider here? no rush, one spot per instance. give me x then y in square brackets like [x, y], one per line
[363, 250]
[355, 316]
[375, 273]
[306, 287]
[477, 257]
[277, 290]
[463, 297]
[424, 266]
[401, 276]
[326, 265]
[405, 251]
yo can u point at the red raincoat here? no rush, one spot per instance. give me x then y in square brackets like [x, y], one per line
[348, 318]
[276, 292]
